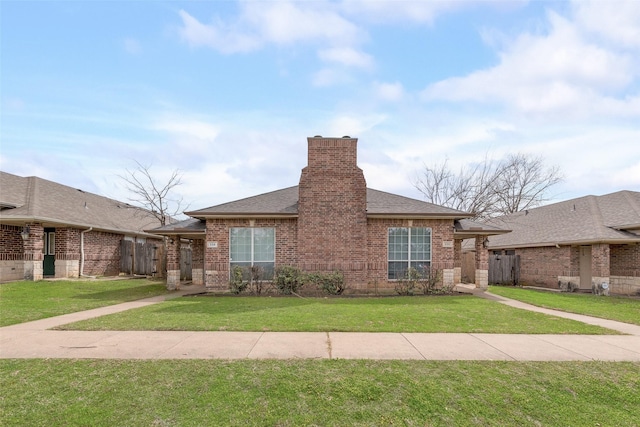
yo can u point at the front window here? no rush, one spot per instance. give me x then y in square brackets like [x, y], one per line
[408, 247]
[253, 248]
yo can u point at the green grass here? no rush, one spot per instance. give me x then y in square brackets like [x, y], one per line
[390, 314]
[25, 301]
[317, 392]
[622, 309]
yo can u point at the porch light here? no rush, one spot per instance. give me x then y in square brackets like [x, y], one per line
[25, 233]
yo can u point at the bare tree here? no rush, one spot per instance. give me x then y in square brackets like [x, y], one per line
[149, 193]
[489, 188]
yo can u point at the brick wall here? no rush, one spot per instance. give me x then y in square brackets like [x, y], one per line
[11, 244]
[377, 248]
[542, 266]
[216, 260]
[102, 253]
[332, 216]
[11, 253]
[600, 256]
[67, 243]
[625, 260]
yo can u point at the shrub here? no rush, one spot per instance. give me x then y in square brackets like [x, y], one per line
[428, 282]
[237, 284]
[287, 279]
[331, 283]
[407, 285]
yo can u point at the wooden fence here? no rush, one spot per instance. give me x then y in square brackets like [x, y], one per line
[185, 263]
[504, 269]
[146, 259]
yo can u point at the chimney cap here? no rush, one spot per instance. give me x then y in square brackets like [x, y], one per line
[317, 136]
[347, 136]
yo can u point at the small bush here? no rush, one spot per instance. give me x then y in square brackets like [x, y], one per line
[331, 283]
[237, 284]
[288, 279]
[428, 282]
[407, 285]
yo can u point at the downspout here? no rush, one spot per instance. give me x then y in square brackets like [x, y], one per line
[82, 253]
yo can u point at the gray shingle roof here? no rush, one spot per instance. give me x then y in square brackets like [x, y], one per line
[37, 199]
[285, 202]
[585, 220]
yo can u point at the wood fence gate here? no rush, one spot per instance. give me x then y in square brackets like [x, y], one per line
[504, 269]
[185, 264]
[142, 258]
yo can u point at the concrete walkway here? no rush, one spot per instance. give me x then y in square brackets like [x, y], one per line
[34, 340]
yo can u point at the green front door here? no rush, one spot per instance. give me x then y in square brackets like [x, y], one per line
[49, 250]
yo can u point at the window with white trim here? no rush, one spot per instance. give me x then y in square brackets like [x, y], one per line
[408, 247]
[252, 247]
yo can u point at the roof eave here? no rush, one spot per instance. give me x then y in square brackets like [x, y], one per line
[243, 215]
[417, 216]
[19, 220]
[469, 234]
[564, 243]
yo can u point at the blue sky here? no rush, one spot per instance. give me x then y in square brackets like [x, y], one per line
[228, 91]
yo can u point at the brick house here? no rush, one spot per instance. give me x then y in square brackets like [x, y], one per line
[52, 230]
[330, 221]
[585, 241]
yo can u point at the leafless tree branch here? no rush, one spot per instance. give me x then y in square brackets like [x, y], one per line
[489, 188]
[155, 197]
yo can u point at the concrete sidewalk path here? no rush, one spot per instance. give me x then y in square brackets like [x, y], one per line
[33, 340]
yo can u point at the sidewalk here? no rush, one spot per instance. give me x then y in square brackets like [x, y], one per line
[33, 340]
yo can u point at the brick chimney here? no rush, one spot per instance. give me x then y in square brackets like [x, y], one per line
[332, 209]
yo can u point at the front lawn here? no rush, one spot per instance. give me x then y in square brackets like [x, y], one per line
[317, 392]
[385, 314]
[25, 301]
[622, 309]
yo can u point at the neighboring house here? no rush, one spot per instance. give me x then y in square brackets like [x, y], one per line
[586, 241]
[331, 221]
[51, 230]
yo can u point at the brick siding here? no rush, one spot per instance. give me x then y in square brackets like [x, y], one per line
[332, 209]
[625, 260]
[11, 244]
[102, 253]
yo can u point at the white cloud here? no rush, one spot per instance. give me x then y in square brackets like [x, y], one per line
[218, 36]
[353, 125]
[617, 21]
[385, 11]
[279, 23]
[285, 22]
[389, 91]
[346, 56]
[556, 72]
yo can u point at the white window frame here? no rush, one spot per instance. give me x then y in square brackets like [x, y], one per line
[273, 260]
[408, 261]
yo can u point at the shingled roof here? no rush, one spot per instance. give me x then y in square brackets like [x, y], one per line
[612, 218]
[285, 203]
[33, 199]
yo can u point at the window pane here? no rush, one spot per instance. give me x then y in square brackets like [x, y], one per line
[240, 244]
[263, 244]
[397, 270]
[422, 267]
[266, 270]
[52, 243]
[420, 244]
[398, 244]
